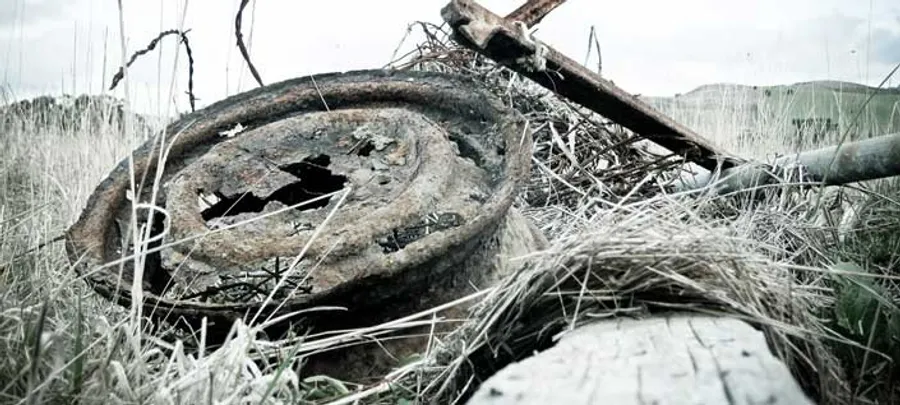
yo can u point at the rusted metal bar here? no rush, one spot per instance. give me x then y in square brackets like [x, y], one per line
[508, 43]
[532, 12]
[869, 159]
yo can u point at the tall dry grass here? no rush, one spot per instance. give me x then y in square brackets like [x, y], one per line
[60, 343]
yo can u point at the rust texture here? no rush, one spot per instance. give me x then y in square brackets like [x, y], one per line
[509, 44]
[433, 162]
[533, 11]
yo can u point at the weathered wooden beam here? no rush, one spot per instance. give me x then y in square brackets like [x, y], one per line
[533, 11]
[869, 159]
[675, 359]
[509, 43]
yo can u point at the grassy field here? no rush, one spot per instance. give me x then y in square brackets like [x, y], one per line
[60, 343]
[764, 122]
[759, 121]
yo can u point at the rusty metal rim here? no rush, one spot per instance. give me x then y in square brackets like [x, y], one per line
[267, 104]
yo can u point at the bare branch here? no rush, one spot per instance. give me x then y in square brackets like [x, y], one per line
[151, 46]
[240, 41]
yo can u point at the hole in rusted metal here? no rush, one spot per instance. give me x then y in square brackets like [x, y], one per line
[159, 278]
[366, 149]
[467, 150]
[156, 278]
[315, 180]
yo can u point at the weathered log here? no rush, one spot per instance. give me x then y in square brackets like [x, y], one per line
[869, 159]
[503, 41]
[674, 359]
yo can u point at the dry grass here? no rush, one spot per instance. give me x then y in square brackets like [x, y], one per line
[620, 247]
[662, 254]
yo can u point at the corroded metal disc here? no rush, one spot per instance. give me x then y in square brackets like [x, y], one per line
[431, 162]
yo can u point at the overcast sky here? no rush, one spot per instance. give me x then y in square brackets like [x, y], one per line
[657, 47]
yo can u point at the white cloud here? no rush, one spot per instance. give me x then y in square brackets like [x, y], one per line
[649, 47]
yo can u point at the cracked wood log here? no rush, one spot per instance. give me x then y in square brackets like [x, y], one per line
[507, 43]
[674, 359]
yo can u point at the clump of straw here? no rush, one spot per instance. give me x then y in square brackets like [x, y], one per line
[643, 258]
[622, 247]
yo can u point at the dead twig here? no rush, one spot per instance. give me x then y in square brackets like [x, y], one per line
[151, 46]
[240, 41]
[190, 55]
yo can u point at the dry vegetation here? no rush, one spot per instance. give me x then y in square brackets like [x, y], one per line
[620, 246]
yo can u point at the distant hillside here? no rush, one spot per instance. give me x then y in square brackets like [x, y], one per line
[69, 114]
[804, 115]
[846, 87]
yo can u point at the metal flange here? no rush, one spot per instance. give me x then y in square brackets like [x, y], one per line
[431, 163]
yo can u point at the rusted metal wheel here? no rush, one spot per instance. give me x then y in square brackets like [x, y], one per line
[432, 163]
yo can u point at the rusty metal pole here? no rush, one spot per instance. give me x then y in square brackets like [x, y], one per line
[868, 159]
[508, 43]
